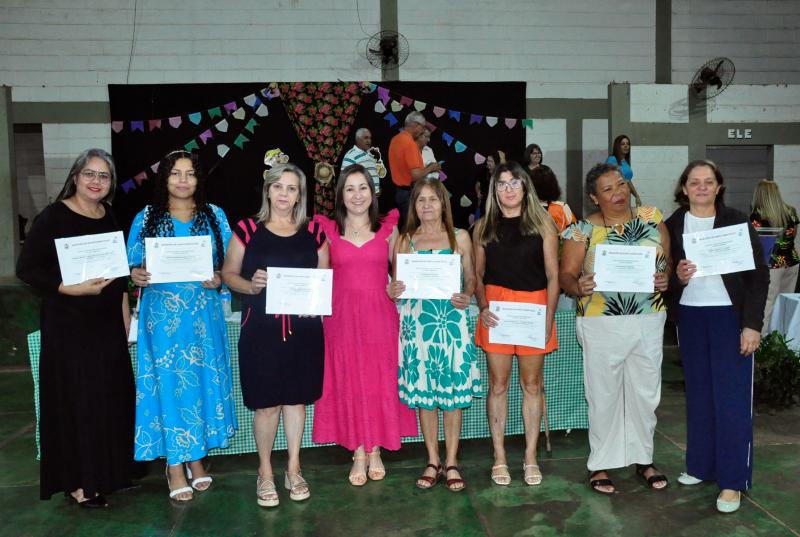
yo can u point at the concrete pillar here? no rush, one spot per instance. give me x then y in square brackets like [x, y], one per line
[9, 232]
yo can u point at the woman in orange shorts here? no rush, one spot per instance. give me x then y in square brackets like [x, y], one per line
[516, 260]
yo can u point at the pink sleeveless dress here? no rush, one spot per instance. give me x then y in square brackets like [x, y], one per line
[360, 404]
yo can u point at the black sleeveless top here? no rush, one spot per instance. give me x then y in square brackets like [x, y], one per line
[515, 261]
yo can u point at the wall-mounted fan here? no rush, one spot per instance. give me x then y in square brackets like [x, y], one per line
[713, 77]
[387, 49]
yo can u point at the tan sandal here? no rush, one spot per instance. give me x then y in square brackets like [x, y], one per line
[533, 475]
[297, 486]
[376, 472]
[501, 475]
[266, 493]
[358, 479]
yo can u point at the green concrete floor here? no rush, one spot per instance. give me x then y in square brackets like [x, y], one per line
[562, 505]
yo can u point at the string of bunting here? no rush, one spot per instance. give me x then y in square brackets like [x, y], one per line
[237, 112]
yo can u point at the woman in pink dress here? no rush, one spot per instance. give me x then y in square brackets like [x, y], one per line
[360, 408]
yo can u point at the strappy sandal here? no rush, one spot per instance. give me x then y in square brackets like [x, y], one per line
[501, 475]
[451, 483]
[297, 487]
[358, 479]
[430, 481]
[173, 494]
[266, 493]
[198, 480]
[533, 475]
[594, 483]
[374, 472]
[653, 479]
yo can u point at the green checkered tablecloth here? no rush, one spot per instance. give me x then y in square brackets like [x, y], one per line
[563, 377]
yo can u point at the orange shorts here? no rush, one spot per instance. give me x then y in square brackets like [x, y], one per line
[495, 292]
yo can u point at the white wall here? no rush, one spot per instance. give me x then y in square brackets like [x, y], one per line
[661, 103]
[551, 136]
[786, 159]
[656, 170]
[760, 36]
[62, 143]
[749, 104]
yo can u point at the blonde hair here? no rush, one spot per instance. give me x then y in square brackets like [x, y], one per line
[768, 205]
[412, 220]
[273, 176]
[535, 219]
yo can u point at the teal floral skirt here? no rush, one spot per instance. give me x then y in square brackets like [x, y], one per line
[438, 363]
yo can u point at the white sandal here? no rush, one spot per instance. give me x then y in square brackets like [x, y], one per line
[173, 494]
[198, 480]
[295, 482]
[266, 493]
[534, 476]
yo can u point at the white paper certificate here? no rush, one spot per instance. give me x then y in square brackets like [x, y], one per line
[296, 291]
[179, 259]
[520, 324]
[624, 269]
[719, 251]
[429, 276]
[92, 256]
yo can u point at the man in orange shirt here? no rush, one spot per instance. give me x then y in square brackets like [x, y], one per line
[405, 162]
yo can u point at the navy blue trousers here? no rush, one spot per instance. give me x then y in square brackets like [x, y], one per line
[719, 397]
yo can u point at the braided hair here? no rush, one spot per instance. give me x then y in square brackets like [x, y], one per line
[158, 221]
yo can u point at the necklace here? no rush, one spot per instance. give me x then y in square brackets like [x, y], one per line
[618, 228]
[356, 231]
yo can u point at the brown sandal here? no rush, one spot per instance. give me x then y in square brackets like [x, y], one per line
[431, 481]
[450, 483]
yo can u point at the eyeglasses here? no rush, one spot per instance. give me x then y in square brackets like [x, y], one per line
[514, 184]
[91, 175]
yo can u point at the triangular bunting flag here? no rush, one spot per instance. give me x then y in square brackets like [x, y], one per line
[406, 101]
[442, 176]
[206, 135]
[383, 94]
[139, 177]
[527, 123]
[116, 126]
[230, 107]
[460, 148]
[396, 107]
[250, 100]
[420, 106]
[155, 166]
[391, 119]
[175, 122]
[128, 185]
[510, 122]
[137, 126]
[262, 110]
[447, 139]
[475, 118]
[239, 113]
[491, 121]
[265, 92]
[222, 126]
[380, 108]
[195, 117]
[214, 112]
[153, 124]
[222, 150]
[438, 111]
[372, 87]
[479, 159]
[431, 126]
[240, 141]
[455, 114]
[251, 125]
[191, 146]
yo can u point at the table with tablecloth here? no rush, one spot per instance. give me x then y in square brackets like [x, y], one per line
[786, 318]
[563, 374]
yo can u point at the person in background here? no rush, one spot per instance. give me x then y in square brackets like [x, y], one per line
[621, 333]
[548, 191]
[405, 161]
[86, 391]
[769, 210]
[280, 368]
[482, 183]
[184, 397]
[369, 156]
[532, 157]
[719, 320]
[428, 157]
[621, 156]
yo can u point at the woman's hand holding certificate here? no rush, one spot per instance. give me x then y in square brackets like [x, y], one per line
[429, 276]
[90, 257]
[519, 323]
[296, 291]
[719, 251]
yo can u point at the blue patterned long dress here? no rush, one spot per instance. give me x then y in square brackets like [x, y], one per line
[184, 399]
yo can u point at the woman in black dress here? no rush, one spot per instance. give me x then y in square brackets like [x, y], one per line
[281, 357]
[86, 390]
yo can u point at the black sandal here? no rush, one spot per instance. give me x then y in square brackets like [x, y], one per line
[653, 479]
[594, 483]
[431, 481]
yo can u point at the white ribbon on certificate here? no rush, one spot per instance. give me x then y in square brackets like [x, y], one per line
[101, 255]
[179, 259]
[719, 251]
[429, 276]
[520, 324]
[622, 268]
[297, 291]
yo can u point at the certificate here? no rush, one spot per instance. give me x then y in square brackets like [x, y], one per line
[92, 256]
[179, 259]
[624, 269]
[520, 324]
[429, 276]
[719, 251]
[296, 291]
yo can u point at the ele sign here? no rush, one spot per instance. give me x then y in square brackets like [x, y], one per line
[740, 134]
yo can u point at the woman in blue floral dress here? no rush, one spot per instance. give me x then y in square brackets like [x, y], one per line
[438, 367]
[184, 401]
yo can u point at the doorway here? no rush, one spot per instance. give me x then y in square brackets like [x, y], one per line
[742, 166]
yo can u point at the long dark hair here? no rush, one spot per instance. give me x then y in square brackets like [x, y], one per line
[340, 211]
[682, 199]
[546, 183]
[616, 149]
[158, 222]
[69, 188]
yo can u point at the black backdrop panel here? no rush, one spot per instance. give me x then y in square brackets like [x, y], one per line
[234, 182]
